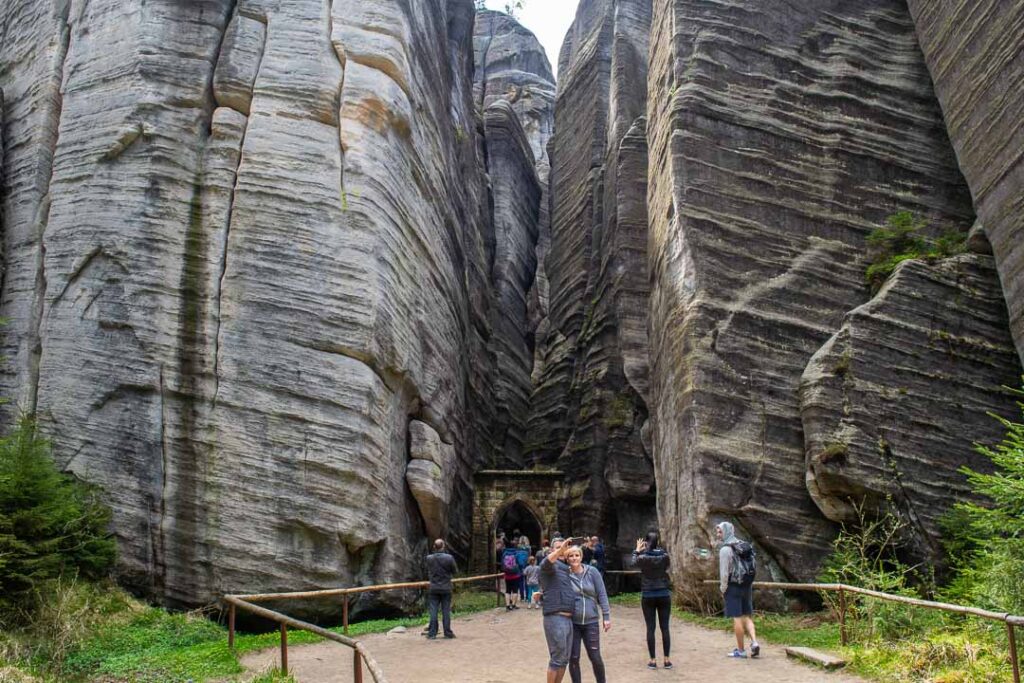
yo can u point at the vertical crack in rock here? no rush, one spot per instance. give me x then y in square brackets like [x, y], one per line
[54, 112]
[158, 549]
[223, 260]
[3, 238]
[188, 519]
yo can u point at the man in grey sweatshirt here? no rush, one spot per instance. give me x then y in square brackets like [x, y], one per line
[559, 599]
[739, 600]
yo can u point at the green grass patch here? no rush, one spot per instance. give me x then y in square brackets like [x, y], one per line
[944, 649]
[129, 641]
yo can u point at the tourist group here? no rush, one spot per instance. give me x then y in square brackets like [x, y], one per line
[564, 580]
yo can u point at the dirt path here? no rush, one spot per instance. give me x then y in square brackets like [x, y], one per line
[698, 655]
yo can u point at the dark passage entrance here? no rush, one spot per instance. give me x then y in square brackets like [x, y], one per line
[518, 517]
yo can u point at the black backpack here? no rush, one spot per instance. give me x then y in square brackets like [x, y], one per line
[744, 563]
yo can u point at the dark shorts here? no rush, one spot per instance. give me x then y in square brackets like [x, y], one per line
[739, 600]
[512, 585]
[558, 632]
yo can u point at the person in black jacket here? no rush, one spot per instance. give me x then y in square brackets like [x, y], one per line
[655, 593]
[440, 568]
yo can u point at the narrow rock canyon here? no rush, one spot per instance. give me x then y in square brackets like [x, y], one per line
[281, 278]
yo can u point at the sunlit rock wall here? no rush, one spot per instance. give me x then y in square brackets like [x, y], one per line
[245, 244]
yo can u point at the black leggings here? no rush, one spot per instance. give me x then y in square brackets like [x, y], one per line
[588, 635]
[660, 607]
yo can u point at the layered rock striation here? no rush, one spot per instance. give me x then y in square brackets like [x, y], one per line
[249, 251]
[894, 402]
[975, 53]
[512, 68]
[780, 135]
[590, 400]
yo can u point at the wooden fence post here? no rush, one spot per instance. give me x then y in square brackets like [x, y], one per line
[284, 650]
[231, 626]
[344, 615]
[843, 638]
[357, 666]
[497, 590]
[1013, 652]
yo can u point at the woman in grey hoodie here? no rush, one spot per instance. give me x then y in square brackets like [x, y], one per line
[590, 610]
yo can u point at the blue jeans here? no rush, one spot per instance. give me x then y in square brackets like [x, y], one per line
[444, 601]
[558, 632]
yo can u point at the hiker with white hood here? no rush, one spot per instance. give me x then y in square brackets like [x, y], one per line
[736, 570]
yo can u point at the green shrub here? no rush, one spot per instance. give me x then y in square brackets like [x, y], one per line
[986, 542]
[902, 239]
[51, 525]
[865, 554]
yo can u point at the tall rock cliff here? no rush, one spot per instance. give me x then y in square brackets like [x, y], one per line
[975, 52]
[780, 134]
[590, 403]
[249, 253]
[513, 84]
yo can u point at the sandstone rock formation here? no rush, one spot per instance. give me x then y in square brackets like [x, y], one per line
[511, 67]
[516, 196]
[590, 402]
[281, 276]
[893, 403]
[780, 134]
[974, 52]
[249, 251]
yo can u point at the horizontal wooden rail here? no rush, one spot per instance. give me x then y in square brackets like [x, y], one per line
[284, 620]
[1010, 620]
[300, 595]
[916, 602]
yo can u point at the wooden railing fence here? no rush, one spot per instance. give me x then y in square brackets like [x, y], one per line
[360, 655]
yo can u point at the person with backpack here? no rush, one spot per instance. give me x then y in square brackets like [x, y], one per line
[736, 569]
[513, 572]
[655, 593]
[522, 557]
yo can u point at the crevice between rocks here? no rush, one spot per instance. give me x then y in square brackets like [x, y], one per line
[223, 265]
[35, 341]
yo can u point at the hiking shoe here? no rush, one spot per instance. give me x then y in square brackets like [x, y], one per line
[755, 649]
[667, 664]
[449, 636]
[652, 665]
[737, 654]
[431, 637]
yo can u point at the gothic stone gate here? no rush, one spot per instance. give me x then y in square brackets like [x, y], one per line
[494, 491]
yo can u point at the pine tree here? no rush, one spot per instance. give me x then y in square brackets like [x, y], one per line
[50, 523]
[992, 535]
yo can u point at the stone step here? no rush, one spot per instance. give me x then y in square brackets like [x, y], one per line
[822, 659]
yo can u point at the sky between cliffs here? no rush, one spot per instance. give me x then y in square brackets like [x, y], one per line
[548, 19]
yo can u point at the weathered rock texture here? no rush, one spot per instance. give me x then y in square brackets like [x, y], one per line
[780, 134]
[894, 402]
[590, 403]
[975, 52]
[511, 68]
[247, 244]
[516, 195]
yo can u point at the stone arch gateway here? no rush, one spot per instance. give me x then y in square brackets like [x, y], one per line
[528, 498]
